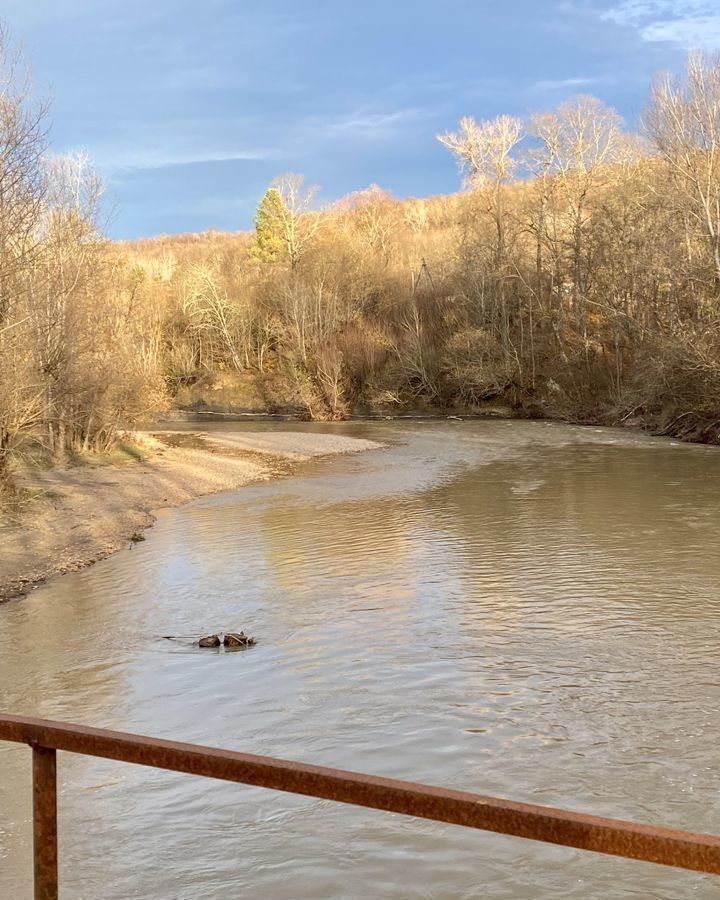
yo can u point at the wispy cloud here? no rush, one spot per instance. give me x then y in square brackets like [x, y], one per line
[691, 23]
[702, 31]
[163, 151]
[550, 85]
[136, 159]
[368, 125]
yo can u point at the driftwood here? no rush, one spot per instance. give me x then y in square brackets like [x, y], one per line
[235, 640]
[210, 640]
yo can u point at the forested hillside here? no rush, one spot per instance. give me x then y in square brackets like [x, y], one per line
[576, 276]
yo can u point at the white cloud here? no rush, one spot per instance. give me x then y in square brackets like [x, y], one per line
[691, 23]
[700, 31]
[631, 12]
[634, 12]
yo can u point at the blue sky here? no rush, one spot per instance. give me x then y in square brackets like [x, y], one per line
[190, 109]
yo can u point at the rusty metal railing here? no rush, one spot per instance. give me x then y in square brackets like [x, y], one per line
[699, 852]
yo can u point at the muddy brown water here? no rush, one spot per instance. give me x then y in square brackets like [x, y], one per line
[520, 609]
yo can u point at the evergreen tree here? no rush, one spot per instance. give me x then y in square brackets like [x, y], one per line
[269, 243]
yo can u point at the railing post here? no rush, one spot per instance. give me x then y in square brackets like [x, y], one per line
[45, 823]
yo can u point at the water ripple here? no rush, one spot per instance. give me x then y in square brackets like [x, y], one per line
[520, 609]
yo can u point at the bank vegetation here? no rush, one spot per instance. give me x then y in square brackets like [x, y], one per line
[576, 276]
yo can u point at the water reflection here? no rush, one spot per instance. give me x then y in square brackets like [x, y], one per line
[514, 608]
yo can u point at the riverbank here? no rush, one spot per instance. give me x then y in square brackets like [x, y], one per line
[690, 426]
[62, 519]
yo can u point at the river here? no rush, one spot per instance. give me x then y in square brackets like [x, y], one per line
[522, 609]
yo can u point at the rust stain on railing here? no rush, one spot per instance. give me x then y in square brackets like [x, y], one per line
[671, 847]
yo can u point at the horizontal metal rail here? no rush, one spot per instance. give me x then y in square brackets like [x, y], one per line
[699, 852]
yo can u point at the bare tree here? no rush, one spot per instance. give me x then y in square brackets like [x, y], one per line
[22, 145]
[484, 152]
[228, 321]
[60, 282]
[683, 122]
[578, 139]
[299, 223]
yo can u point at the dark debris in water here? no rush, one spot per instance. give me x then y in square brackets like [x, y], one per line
[230, 640]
